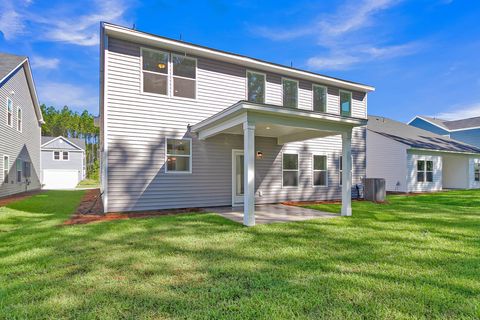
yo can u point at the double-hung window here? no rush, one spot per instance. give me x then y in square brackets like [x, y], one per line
[6, 169]
[345, 103]
[184, 76]
[19, 119]
[65, 155]
[56, 155]
[155, 71]
[290, 170]
[319, 98]
[9, 112]
[319, 170]
[256, 87]
[476, 171]
[26, 169]
[290, 93]
[424, 171]
[19, 170]
[179, 155]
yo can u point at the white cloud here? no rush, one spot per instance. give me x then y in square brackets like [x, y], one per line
[44, 63]
[67, 27]
[60, 94]
[11, 24]
[461, 112]
[332, 62]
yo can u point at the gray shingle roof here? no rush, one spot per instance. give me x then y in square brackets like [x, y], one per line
[463, 123]
[8, 62]
[438, 122]
[415, 137]
[76, 141]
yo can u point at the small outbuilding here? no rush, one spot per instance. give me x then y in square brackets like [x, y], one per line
[415, 160]
[63, 162]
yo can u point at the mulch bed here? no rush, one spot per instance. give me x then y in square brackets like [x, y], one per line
[17, 197]
[91, 210]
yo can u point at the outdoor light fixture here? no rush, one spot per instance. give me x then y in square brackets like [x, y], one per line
[161, 66]
[268, 128]
[259, 155]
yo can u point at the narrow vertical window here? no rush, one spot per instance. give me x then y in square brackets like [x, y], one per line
[290, 170]
[319, 98]
[184, 76]
[155, 71]
[9, 112]
[19, 119]
[290, 93]
[319, 170]
[255, 87]
[6, 169]
[26, 169]
[19, 170]
[179, 155]
[345, 103]
[476, 171]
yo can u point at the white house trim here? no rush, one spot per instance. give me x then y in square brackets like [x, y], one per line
[65, 139]
[432, 123]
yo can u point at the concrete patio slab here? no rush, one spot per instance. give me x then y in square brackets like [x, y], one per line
[271, 213]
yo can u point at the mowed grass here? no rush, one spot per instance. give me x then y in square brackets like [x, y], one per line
[88, 183]
[416, 257]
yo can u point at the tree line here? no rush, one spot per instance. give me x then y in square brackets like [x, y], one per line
[72, 124]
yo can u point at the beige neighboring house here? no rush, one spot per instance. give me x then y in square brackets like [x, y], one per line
[20, 127]
[183, 125]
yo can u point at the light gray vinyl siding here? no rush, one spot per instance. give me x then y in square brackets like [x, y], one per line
[23, 145]
[59, 144]
[136, 125]
[413, 185]
[75, 161]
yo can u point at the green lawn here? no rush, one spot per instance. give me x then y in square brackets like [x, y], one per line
[417, 257]
[88, 183]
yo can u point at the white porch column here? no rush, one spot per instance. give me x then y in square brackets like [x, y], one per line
[347, 173]
[249, 174]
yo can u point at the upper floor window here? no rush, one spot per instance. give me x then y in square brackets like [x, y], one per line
[290, 93]
[345, 103]
[19, 119]
[184, 75]
[155, 71]
[255, 87]
[424, 171]
[9, 112]
[319, 98]
[179, 155]
[476, 171]
[319, 170]
[290, 170]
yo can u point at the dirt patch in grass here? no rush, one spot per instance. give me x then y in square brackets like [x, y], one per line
[17, 197]
[91, 210]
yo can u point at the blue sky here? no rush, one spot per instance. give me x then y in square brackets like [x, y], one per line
[422, 56]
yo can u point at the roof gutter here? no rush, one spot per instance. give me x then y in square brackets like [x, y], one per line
[446, 151]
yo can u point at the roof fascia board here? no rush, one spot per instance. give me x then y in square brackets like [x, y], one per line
[136, 36]
[446, 151]
[432, 123]
[464, 129]
[63, 138]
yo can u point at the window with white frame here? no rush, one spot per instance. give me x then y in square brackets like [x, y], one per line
[424, 171]
[19, 170]
[56, 155]
[476, 171]
[65, 155]
[179, 155]
[184, 76]
[6, 169]
[319, 98]
[9, 112]
[19, 119]
[345, 103]
[319, 170]
[290, 93]
[290, 170]
[256, 87]
[155, 71]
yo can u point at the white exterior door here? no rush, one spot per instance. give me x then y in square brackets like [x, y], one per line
[60, 179]
[237, 177]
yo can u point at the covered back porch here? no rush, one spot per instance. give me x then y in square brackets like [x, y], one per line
[285, 125]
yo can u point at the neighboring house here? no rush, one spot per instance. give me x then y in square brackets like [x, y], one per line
[184, 125]
[63, 162]
[20, 127]
[465, 130]
[416, 160]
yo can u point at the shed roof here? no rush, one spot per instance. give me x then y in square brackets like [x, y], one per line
[78, 142]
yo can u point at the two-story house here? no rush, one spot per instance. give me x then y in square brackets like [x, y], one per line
[465, 130]
[184, 125]
[20, 127]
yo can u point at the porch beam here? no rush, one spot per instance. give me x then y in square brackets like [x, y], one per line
[224, 125]
[301, 136]
[346, 173]
[249, 174]
[308, 124]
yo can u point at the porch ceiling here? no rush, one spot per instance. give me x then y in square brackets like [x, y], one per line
[285, 124]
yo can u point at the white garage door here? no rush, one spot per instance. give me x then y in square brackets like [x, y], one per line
[60, 179]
